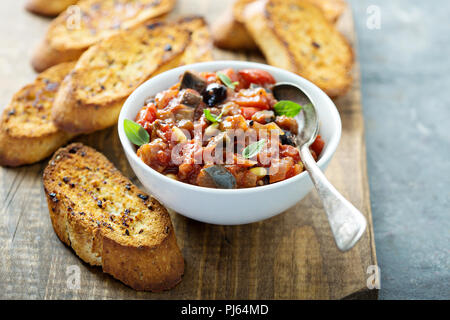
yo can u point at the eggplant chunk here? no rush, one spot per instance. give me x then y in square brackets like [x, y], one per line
[218, 176]
[287, 123]
[192, 81]
[191, 98]
[184, 113]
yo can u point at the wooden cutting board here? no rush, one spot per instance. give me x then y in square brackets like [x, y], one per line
[290, 256]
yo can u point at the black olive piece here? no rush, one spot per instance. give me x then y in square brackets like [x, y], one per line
[214, 93]
[192, 81]
[288, 138]
[221, 177]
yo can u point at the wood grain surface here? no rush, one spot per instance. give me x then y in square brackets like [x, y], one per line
[290, 256]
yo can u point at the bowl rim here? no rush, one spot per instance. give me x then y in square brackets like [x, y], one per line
[235, 64]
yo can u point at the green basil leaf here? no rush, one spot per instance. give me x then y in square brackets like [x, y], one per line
[253, 149]
[210, 117]
[227, 81]
[135, 133]
[288, 108]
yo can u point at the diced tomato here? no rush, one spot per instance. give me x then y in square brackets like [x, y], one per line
[230, 73]
[255, 102]
[256, 76]
[314, 155]
[244, 178]
[289, 151]
[163, 98]
[248, 112]
[317, 145]
[294, 170]
[279, 168]
[146, 115]
[256, 98]
[210, 77]
[155, 154]
[235, 77]
[166, 132]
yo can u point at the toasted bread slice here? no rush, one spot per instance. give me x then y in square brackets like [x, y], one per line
[72, 33]
[229, 31]
[298, 37]
[49, 8]
[230, 34]
[91, 96]
[27, 134]
[200, 47]
[332, 9]
[109, 222]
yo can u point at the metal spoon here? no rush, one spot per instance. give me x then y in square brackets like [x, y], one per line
[346, 222]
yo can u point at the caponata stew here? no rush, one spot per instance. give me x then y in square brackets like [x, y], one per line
[222, 129]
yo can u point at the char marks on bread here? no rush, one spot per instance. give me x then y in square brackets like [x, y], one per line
[109, 222]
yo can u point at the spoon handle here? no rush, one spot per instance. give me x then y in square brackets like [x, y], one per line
[346, 222]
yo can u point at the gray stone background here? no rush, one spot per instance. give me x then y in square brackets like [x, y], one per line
[405, 76]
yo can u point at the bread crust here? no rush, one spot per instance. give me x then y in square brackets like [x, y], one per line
[62, 43]
[15, 152]
[45, 56]
[200, 47]
[147, 260]
[230, 33]
[49, 8]
[84, 105]
[285, 49]
[27, 134]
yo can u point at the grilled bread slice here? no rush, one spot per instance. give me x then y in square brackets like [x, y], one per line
[27, 134]
[298, 37]
[91, 96]
[200, 47]
[72, 33]
[49, 7]
[230, 33]
[109, 222]
[332, 9]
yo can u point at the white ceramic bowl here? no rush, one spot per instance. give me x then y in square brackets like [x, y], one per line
[224, 206]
